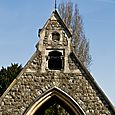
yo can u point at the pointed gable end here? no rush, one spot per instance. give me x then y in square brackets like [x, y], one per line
[54, 75]
[56, 20]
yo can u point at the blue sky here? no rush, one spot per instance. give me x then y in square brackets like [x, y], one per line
[21, 19]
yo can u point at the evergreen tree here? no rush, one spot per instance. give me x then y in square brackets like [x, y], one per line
[7, 75]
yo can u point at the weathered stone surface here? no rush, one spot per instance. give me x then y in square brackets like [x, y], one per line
[32, 85]
[35, 79]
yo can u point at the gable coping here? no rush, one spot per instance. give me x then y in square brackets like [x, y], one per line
[93, 82]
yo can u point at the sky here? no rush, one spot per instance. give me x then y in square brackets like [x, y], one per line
[20, 21]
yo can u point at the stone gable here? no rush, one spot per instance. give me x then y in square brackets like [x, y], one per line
[36, 79]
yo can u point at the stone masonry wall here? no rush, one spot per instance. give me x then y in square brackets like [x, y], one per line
[35, 79]
[32, 83]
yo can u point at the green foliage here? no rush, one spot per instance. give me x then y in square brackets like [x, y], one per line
[7, 75]
[55, 109]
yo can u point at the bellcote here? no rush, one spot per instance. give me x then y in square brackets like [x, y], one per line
[54, 43]
[54, 75]
[54, 33]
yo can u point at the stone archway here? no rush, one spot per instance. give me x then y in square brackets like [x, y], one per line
[48, 98]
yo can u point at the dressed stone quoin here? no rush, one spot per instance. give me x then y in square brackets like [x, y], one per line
[54, 74]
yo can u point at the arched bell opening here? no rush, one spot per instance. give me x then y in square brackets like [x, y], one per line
[52, 97]
[55, 60]
[55, 36]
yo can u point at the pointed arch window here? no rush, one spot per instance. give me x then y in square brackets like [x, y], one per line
[52, 97]
[54, 106]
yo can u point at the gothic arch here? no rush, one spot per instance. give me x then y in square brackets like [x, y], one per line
[58, 94]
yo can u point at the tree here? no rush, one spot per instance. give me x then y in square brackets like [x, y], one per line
[7, 75]
[71, 17]
[54, 109]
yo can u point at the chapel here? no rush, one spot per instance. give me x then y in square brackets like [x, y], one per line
[54, 77]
